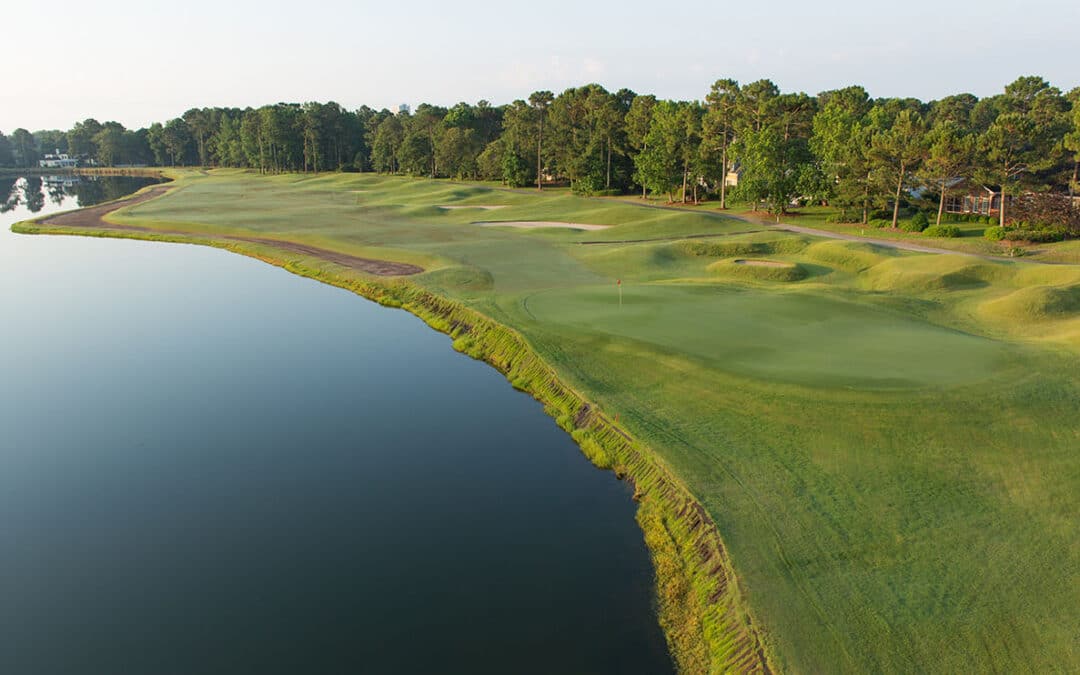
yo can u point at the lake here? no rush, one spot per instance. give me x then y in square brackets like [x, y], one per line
[209, 465]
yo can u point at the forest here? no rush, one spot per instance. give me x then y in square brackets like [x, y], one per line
[750, 143]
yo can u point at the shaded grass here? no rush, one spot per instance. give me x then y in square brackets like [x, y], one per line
[764, 270]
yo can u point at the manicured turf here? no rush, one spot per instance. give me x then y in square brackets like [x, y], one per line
[890, 445]
[796, 337]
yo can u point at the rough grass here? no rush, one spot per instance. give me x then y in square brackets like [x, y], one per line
[891, 466]
[1036, 303]
[771, 270]
[745, 245]
[931, 273]
[459, 279]
[846, 255]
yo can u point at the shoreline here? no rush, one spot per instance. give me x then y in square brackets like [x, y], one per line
[153, 171]
[701, 608]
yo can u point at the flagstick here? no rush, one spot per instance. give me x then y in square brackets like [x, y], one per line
[619, 284]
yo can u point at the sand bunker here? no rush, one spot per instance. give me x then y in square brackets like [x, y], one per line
[762, 263]
[534, 224]
[484, 207]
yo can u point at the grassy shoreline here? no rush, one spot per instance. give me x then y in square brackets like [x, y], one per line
[701, 609]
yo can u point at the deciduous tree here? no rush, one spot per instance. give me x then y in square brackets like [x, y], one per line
[637, 123]
[898, 152]
[949, 157]
[719, 126]
[540, 100]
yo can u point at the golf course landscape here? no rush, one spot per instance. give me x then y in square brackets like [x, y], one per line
[848, 457]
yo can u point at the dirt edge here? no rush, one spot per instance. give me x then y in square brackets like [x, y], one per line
[93, 218]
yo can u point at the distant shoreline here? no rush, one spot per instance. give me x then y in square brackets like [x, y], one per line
[155, 171]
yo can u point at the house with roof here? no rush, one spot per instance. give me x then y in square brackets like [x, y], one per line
[58, 160]
[970, 197]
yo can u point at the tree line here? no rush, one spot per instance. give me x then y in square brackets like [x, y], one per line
[842, 147]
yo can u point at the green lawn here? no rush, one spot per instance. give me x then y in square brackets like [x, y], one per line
[889, 442]
[971, 238]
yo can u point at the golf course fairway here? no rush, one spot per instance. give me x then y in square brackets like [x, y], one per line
[848, 458]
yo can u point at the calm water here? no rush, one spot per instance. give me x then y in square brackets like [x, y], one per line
[208, 465]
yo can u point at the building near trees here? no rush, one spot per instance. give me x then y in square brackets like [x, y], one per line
[58, 160]
[970, 197]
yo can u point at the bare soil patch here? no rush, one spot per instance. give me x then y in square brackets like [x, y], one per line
[382, 268]
[536, 224]
[93, 216]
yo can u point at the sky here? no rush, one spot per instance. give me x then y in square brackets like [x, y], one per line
[140, 62]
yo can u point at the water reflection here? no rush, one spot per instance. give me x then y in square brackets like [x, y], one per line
[33, 191]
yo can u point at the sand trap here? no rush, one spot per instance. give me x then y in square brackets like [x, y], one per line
[534, 224]
[762, 263]
[484, 207]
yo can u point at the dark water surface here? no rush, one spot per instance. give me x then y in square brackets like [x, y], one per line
[208, 465]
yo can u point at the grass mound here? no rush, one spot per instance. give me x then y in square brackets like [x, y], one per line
[931, 273]
[1047, 275]
[1035, 303]
[744, 246]
[759, 270]
[847, 255]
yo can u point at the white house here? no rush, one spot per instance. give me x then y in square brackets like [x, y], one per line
[58, 160]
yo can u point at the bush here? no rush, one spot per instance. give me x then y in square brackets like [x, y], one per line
[1035, 236]
[1045, 211]
[996, 233]
[880, 223]
[918, 223]
[843, 219]
[943, 231]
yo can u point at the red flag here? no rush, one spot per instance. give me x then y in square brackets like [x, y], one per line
[618, 282]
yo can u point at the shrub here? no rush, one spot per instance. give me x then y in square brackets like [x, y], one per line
[843, 219]
[1057, 210]
[944, 231]
[880, 223]
[918, 223]
[996, 233]
[1042, 236]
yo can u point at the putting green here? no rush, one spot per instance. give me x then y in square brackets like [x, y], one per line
[801, 338]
